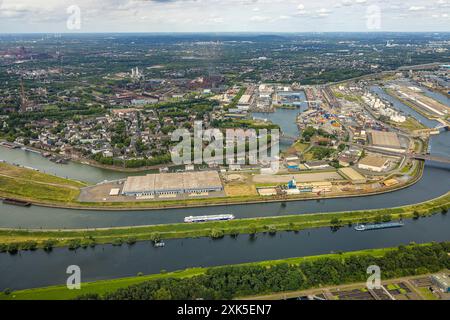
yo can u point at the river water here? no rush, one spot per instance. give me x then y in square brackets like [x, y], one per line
[286, 118]
[72, 170]
[38, 268]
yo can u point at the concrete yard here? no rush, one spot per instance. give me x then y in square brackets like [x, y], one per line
[385, 139]
[299, 177]
[422, 102]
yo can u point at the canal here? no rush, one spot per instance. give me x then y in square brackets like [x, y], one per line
[30, 269]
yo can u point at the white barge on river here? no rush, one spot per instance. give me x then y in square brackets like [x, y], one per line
[219, 217]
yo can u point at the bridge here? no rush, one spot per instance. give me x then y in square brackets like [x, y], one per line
[417, 156]
[288, 138]
[432, 131]
[430, 158]
[313, 101]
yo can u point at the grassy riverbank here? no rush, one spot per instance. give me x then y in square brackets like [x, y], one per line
[13, 240]
[27, 184]
[101, 287]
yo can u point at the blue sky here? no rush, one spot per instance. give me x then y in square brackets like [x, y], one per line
[223, 15]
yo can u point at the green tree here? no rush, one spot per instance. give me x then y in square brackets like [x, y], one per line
[162, 294]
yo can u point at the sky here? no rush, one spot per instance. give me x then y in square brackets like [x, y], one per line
[61, 16]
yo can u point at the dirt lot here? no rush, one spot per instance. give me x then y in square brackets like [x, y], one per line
[240, 189]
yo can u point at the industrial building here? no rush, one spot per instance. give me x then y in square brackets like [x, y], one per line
[173, 183]
[442, 282]
[352, 175]
[245, 99]
[383, 139]
[373, 163]
[390, 182]
[317, 165]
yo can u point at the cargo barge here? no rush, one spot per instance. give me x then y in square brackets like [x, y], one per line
[378, 226]
[16, 202]
[220, 217]
[9, 145]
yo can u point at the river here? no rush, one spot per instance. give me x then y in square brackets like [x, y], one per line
[30, 269]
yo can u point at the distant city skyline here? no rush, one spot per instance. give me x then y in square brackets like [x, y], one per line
[61, 16]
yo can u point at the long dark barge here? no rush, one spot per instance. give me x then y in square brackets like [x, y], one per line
[378, 226]
[16, 202]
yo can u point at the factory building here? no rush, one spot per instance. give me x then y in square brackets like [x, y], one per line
[442, 282]
[351, 174]
[173, 183]
[317, 165]
[372, 163]
[245, 100]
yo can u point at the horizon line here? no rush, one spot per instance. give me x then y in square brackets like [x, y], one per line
[220, 32]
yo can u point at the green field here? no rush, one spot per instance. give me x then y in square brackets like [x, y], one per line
[27, 174]
[33, 185]
[426, 293]
[410, 124]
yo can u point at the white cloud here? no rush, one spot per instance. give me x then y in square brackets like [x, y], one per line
[416, 8]
[259, 19]
[220, 15]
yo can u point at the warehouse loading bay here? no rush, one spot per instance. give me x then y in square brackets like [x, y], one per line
[164, 186]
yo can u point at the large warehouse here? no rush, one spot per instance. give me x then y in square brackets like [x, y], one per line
[385, 139]
[352, 175]
[372, 163]
[173, 183]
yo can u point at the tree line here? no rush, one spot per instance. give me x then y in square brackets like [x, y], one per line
[246, 280]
